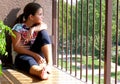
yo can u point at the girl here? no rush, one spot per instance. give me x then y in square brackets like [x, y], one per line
[31, 42]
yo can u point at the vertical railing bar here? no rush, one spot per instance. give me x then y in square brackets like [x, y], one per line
[54, 51]
[58, 35]
[87, 40]
[108, 42]
[117, 9]
[100, 42]
[66, 34]
[81, 39]
[76, 38]
[71, 41]
[62, 34]
[93, 42]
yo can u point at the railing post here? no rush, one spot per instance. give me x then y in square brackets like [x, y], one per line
[54, 34]
[108, 42]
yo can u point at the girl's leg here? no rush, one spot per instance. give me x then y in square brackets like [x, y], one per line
[46, 49]
[47, 52]
[28, 64]
[43, 46]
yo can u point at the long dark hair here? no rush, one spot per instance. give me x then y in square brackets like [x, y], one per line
[30, 8]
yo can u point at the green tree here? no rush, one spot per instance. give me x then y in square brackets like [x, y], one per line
[77, 21]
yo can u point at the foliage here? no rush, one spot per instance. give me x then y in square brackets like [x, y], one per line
[118, 75]
[118, 59]
[77, 25]
[96, 62]
[114, 21]
[114, 55]
[3, 30]
[96, 79]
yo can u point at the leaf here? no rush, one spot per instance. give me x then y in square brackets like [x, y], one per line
[3, 30]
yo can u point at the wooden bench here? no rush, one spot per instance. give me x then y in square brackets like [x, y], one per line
[12, 76]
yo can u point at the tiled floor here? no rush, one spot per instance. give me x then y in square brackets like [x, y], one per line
[11, 76]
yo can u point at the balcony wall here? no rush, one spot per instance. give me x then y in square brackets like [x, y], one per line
[10, 9]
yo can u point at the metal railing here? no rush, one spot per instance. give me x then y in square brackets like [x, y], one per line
[83, 34]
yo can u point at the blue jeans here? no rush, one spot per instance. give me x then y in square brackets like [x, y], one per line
[23, 61]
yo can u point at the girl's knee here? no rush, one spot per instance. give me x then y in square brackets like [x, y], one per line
[44, 37]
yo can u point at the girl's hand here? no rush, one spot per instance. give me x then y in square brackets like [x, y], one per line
[30, 34]
[43, 26]
[39, 27]
[39, 59]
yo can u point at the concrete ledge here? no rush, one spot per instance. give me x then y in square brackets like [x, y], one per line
[11, 76]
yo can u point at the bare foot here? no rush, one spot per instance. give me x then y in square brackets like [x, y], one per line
[43, 74]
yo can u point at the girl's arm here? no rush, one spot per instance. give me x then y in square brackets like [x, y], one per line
[37, 28]
[17, 46]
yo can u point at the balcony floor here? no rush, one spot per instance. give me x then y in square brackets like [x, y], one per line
[11, 76]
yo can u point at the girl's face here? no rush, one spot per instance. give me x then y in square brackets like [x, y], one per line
[38, 17]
